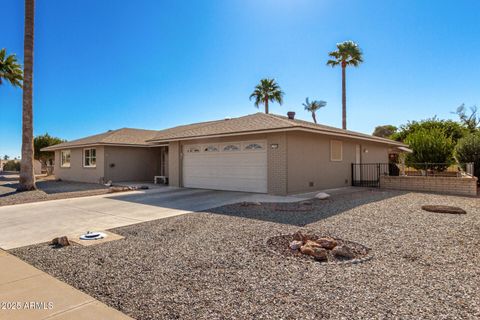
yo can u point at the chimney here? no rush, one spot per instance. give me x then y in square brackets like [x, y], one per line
[291, 115]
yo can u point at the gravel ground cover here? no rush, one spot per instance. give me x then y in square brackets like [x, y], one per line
[48, 189]
[215, 265]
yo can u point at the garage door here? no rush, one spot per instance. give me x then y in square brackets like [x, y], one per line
[237, 166]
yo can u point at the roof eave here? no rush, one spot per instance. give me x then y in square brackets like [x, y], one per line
[292, 128]
[97, 144]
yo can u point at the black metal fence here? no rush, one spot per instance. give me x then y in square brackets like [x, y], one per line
[368, 174]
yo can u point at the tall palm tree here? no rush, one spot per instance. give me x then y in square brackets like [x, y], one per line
[27, 175]
[348, 53]
[313, 107]
[267, 91]
[10, 69]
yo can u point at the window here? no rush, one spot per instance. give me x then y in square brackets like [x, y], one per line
[336, 152]
[65, 158]
[253, 146]
[89, 158]
[210, 149]
[232, 147]
[193, 149]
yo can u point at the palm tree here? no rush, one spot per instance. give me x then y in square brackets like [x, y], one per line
[348, 53]
[267, 91]
[27, 175]
[313, 107]
[10, 69]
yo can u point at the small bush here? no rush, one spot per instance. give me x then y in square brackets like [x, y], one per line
[468, 150]
[430, 146]
[11, 166]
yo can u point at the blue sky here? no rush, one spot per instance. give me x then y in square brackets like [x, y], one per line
[153, 64]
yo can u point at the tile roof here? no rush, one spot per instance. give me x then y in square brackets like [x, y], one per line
[124, 136]
[253, 123]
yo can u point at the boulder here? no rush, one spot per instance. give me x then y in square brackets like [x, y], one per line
[60, 241]
[303, 237]
[313, 244]
[295, 244]
[320, 254]
[343, 251]
[322, 196]
[327, 243]
[306, 250]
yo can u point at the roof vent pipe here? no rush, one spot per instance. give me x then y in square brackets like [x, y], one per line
[291, 115]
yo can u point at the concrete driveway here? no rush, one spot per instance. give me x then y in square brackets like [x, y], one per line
[31, 223]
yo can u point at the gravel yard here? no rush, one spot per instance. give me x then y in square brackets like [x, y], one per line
[48, 189]
[215, 266]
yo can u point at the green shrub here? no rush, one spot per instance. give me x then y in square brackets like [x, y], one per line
[11, 166]
[468, 150]
[450, 128]
[430, 146]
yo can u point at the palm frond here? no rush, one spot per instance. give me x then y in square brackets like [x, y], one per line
[267, 89]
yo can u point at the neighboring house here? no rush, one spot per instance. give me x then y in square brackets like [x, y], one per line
[37, 167]
[263, 153]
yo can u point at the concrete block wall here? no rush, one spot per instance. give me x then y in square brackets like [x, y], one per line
[466, 186]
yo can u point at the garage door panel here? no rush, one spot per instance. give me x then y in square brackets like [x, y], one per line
[218, 184]
[237, 171]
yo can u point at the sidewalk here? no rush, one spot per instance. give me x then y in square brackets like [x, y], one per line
[28, 293]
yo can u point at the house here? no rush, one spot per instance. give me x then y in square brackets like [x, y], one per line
[263, 153]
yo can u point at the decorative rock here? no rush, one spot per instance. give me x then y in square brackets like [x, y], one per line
[343, 251]
[313, 244]
[327, 243]
[60, 241]
[303, 237]
[295, 244]
[444, 209]
[307, 250]
[322, 196]
[320, 254]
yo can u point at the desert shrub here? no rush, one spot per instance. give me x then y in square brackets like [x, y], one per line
[450, 128]
[430, 146]
[11, 166]
[468, 150]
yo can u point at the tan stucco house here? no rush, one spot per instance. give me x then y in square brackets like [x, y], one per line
[263, 153]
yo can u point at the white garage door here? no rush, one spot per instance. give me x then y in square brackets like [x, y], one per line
[237, 166]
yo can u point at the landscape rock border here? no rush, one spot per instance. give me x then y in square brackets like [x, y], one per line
[368, 257]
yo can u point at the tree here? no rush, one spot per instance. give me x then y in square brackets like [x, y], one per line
[11, 165]
[267, 91]
[44, 141]
[313, 107]
[470, 121]
[450, 128]
[430, 146]
[10, 69]
[348, 53]
[6, 157]
[27, 174]
[468, 150]
[384, 131]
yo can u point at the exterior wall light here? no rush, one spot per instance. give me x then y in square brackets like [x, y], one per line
[274, 146]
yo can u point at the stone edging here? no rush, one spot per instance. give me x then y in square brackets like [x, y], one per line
[352, 261]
